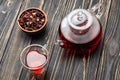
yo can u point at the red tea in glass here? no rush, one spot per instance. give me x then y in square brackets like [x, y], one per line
[35, 59]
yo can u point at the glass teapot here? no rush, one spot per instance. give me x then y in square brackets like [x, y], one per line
[81, 30]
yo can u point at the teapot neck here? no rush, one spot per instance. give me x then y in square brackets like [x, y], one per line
[80, 21]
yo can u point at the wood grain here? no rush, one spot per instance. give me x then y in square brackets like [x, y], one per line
[103, 64]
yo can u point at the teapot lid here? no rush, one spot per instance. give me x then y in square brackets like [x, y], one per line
[80, 20]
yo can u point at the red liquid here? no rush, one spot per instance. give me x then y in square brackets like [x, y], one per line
[35, 60]
[85, 48]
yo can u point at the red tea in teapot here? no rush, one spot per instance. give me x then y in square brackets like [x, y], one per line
[80, 31]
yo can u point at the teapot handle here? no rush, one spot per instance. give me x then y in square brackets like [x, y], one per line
[98, 9]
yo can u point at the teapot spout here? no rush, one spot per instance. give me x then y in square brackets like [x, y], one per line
[59, 42]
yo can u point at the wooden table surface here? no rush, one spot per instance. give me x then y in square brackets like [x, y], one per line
[103, 64]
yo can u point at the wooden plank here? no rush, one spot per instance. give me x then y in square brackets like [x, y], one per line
[110, 59]
[7, 24]
[103, 64]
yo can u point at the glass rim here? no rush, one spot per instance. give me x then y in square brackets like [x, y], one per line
[34, 68]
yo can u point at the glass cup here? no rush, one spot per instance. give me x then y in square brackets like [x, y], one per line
[34, 58]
